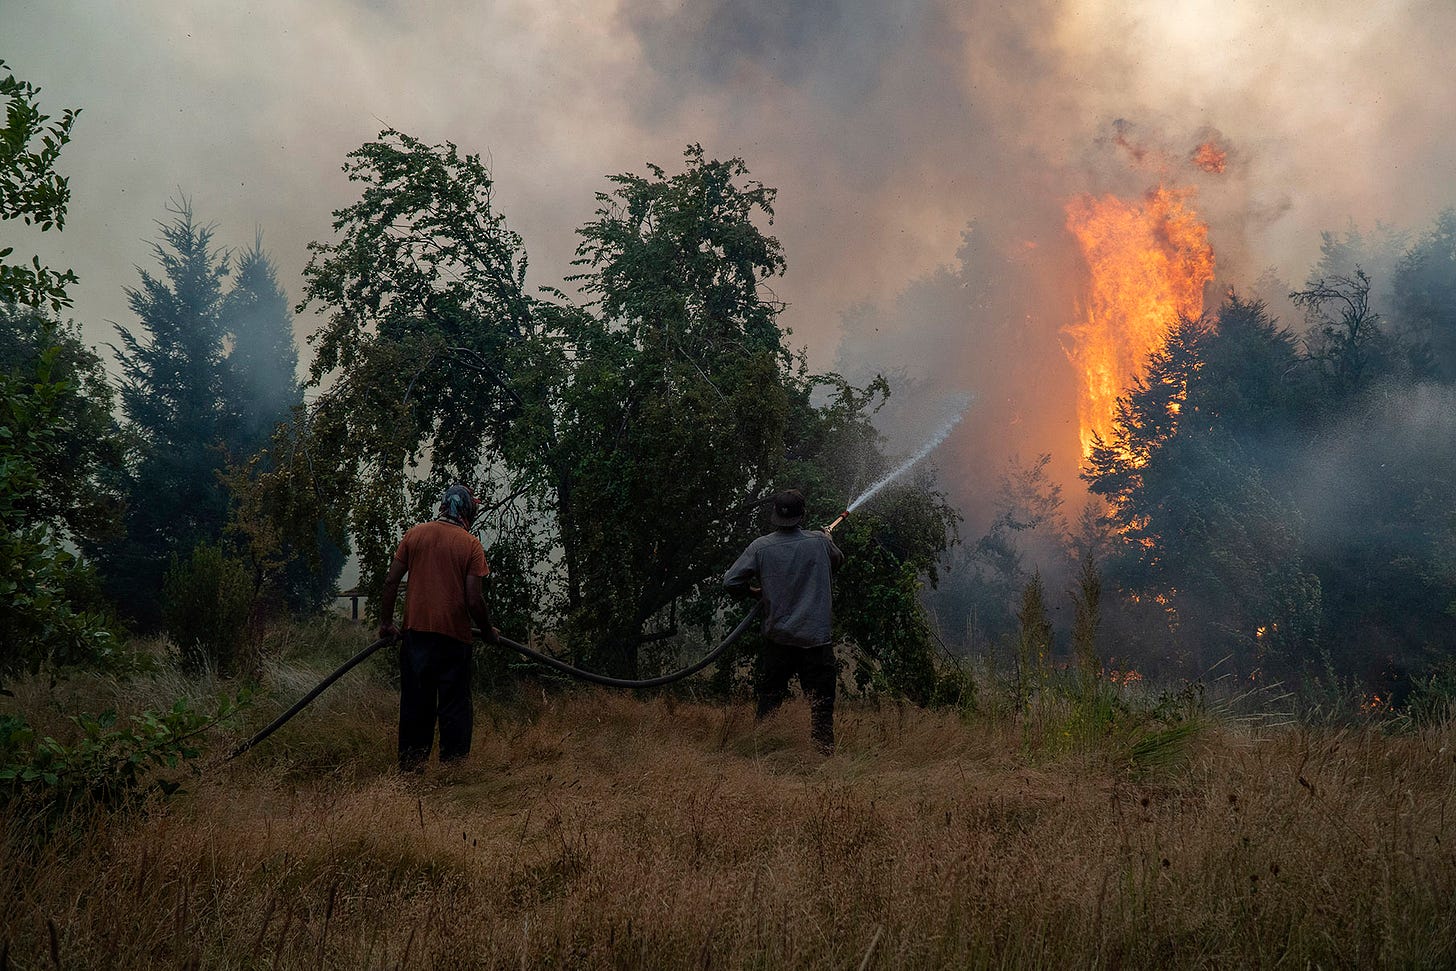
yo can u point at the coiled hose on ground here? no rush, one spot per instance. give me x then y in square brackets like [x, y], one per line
[529, 652]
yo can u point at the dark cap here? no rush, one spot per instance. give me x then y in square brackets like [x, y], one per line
[788, 508]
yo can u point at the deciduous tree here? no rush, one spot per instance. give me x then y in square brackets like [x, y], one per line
[57, 441]
[31, 189]
[621, 443]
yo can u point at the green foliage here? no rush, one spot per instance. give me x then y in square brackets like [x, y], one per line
[209, 376]
[286, 539]
[291, 544]
[44, 623]
[1028, 532]
[174, 393]
[57, 440]
[1086, 618]
[955, 687]
[1033, 640]
[1135, 732]
[1204, 546]
[1162, 749]
[1432, 699]
[31, 191]
[1425, 287]
[80, 456]
[438, 352]
[620, 446]
[44, 626]
[1286, 505]
[683, 397]
[112, 764]
[890, 550]
[263, 360]
[206, 602]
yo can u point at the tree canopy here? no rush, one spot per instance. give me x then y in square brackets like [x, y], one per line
[31, 189]
[58, 444]
[1248, 524]
[209, 371]
[622, 441]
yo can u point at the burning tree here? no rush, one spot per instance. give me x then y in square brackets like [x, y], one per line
[1206, 544]
[1149, 261]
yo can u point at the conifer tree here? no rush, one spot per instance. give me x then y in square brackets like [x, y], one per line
[175, 395]
[301, 561]
[263, 360]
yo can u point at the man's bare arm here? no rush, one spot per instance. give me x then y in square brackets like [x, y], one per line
[388, 596]
[479, 609]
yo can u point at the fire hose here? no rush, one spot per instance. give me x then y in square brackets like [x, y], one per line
[529, 652]
[533, 654]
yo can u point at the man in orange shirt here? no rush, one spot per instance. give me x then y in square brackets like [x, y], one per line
[446, 567]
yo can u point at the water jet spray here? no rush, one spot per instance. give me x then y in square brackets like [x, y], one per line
[955, 408]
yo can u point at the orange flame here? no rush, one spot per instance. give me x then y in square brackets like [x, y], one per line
[1149, 260]
[1210, 157]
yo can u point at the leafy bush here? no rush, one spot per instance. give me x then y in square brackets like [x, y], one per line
[110, 765]
[41, 626]
[955, 687]
[1432, 699]
[206, 600]
[40, 623]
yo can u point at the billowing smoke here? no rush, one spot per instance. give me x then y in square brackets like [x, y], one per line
[924, 150]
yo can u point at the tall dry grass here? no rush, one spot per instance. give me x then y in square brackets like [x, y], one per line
[603, 830]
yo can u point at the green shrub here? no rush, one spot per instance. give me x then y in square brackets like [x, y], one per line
[110, 765]
[40, 624]
[206, 601]
[1432, 699]
[955, 687]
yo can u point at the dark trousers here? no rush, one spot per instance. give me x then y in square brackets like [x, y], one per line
[818, 675]
[434, 682]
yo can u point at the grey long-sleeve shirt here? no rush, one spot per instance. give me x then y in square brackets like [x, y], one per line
[792, 567]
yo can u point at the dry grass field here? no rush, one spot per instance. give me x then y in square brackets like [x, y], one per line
[592, 829]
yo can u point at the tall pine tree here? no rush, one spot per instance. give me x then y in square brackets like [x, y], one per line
[264, 357]
[300, 562]
[175, 395]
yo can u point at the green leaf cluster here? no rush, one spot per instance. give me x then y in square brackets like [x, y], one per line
[111, 764]
[31, 190]
[48, 614]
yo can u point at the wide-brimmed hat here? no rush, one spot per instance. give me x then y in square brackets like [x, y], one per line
[787, 509]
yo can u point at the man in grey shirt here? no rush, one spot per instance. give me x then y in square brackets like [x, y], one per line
[789, 570]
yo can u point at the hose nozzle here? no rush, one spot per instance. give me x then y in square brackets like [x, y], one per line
[830, 528]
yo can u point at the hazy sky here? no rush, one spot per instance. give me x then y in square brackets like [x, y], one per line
[887, 125]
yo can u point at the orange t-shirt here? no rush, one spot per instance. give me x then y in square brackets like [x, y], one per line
[438, 557]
